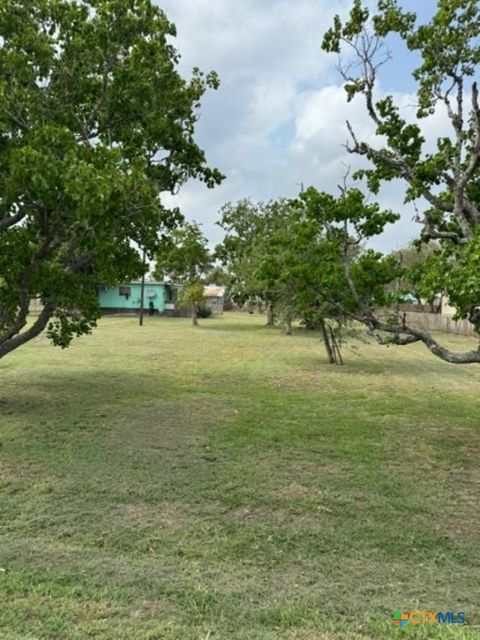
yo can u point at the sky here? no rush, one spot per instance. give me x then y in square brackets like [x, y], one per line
[278, 119]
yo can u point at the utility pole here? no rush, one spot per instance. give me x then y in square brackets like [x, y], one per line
[142, 289]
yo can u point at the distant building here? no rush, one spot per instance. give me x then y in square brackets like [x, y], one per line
[36, 305]
[159, 298]
[214, 297]
[438, 305]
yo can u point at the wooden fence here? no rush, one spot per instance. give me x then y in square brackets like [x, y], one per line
[439, 322]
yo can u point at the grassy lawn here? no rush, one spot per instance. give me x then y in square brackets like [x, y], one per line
[224, 482]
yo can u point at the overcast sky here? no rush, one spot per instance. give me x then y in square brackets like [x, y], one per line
[278, 119]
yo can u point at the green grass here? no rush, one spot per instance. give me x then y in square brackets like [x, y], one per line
[224, 482]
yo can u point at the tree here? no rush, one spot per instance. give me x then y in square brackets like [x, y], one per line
[448, 180]
[330, 274]
[185, 259]
[249, 228]
[293, 253]
[288, 262]
[95, 123]
[413, 260]
[217, 276]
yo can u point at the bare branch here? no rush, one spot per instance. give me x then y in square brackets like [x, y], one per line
[475, 150]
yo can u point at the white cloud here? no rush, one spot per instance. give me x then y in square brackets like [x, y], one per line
[278, 119]
[320, 120]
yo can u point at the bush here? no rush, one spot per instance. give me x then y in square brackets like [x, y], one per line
[203, 310]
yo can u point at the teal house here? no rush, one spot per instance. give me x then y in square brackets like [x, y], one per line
[159, 298]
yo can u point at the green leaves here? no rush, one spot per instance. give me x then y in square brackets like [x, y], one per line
[358, 18]
[302, 255]
[95, 123]
[184, 258]
[446, 179]
[392, 19]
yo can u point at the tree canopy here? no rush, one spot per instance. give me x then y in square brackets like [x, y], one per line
[184, 258]
[246, 250]
[446, 180]
[95, 123]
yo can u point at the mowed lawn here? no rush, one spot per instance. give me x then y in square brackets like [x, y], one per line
[224, 482]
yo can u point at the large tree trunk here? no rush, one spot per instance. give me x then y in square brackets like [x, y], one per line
[326, 342]
[288, 327]
[194, 314]
[270, 315]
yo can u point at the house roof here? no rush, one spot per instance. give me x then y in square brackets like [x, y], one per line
[149, 283]
[212, 291]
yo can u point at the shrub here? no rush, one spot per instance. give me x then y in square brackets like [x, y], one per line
[203, 310]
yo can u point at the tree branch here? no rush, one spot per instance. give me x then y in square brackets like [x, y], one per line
[415, 335]
[10, 221]
[24, 290]
[35, 330]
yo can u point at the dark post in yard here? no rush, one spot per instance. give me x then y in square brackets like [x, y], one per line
[142, 289]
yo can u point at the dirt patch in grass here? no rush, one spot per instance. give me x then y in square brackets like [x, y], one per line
[10, 471]
[295, 491]
[152, 609]
[171, 515]
[273, 516]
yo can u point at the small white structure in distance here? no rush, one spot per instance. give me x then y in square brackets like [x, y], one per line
[214, 297]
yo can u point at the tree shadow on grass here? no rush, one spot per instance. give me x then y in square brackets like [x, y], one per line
[63, 393]
[235, 326]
